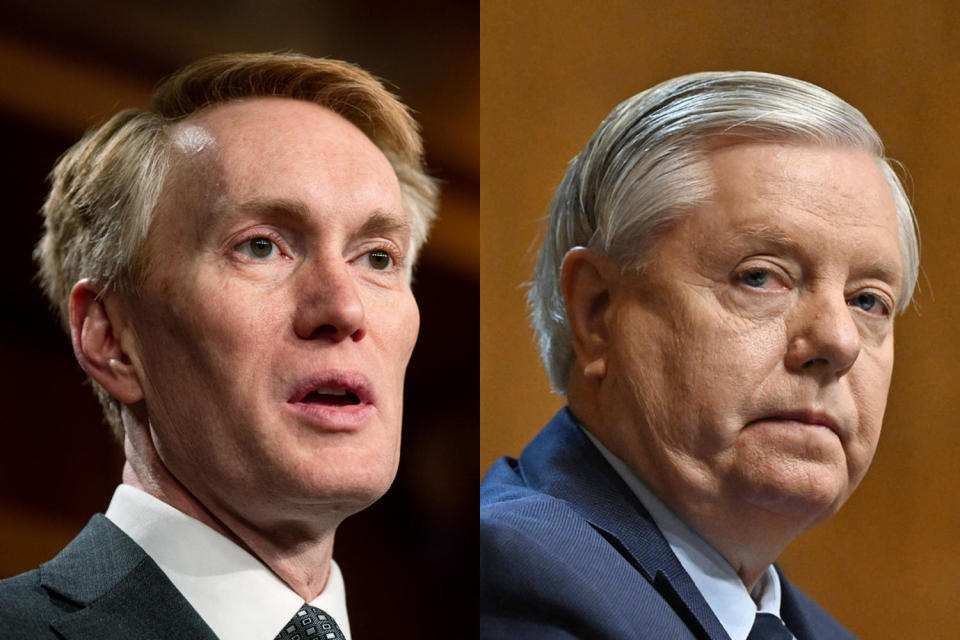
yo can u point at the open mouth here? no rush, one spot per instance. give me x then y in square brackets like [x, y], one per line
[331, 398]
[334, 401]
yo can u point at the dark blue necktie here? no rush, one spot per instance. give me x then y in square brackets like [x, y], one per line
[311, 623]
[769, 627]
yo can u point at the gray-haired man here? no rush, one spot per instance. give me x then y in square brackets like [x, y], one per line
[715, 298]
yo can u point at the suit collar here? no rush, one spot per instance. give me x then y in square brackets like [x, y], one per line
[563, 463]
[118, 590]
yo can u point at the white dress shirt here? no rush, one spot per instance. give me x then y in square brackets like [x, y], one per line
[718, 582]
[235, 594]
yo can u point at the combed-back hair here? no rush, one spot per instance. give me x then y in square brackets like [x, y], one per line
[104, 190]
[645, 165]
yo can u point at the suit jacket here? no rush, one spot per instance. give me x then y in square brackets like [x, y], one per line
[568, 551]
[102, 586]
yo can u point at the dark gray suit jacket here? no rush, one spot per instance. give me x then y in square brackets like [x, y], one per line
[102, 586]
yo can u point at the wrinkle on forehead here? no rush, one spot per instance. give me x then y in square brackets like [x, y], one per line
[823, 182]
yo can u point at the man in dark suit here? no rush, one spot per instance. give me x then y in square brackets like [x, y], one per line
[715, 298]
[233, 266]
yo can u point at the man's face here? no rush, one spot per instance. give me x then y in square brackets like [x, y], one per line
[751, 359]
[276, 320]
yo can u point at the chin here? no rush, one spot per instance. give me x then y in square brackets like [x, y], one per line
[806, 496]
[348, 485]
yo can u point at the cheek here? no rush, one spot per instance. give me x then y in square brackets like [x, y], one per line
[198, 337]
[637, 364]
[400, 329]
[696, 377]
[411, 330]
[655, 372]
[870, 384]
[703, 356]
[743, 355]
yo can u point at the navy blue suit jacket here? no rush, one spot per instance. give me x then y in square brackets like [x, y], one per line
[568, 551]
[102, 586]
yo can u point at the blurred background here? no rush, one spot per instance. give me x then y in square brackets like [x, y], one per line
[68, 65]
[888, 565]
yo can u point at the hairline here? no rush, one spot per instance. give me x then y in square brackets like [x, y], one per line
[141, 258]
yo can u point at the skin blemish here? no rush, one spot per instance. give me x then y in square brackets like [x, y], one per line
[192, 139]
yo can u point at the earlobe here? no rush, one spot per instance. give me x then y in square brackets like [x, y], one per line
[586, 280]
[96, 344]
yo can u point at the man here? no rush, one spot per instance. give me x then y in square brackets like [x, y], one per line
[233, 266]
[715, 297]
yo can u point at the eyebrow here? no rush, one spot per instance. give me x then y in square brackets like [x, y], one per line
[379, 221]
[768, 233]
[382, 223]
[878, 268]
[281, 207]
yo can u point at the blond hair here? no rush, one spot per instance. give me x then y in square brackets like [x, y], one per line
[104, 190]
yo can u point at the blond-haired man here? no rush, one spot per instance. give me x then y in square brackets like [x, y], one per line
[233, 265]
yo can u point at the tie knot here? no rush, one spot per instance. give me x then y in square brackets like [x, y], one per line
[311, 623]
[767, 626]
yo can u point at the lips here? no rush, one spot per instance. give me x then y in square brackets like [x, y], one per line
[803, 417]
[333, 399]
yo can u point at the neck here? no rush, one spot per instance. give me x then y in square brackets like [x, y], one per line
[749, 544]
[297, 550]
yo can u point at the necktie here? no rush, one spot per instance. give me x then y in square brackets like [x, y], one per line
[767, 626]
[311, 623]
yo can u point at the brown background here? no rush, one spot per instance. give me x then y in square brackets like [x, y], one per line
[65, 66]
[888, 565]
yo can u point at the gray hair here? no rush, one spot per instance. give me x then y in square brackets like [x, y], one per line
[644, 166]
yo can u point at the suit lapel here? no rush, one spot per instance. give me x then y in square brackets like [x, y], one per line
[116, 591]
[562, 462]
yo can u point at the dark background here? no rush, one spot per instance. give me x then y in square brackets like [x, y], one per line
[64, 67]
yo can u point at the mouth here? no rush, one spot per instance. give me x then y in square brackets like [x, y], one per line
[330, 397]
[802, 418]
[333, 400]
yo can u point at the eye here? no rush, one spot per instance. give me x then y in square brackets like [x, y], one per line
[868, 302]
[380, 260]
[260, 247]
[756, 278]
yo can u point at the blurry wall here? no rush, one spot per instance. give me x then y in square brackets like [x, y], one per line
[888, 564]
[66, 66]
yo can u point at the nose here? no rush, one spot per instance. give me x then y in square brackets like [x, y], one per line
[329, 305]
[824, 339]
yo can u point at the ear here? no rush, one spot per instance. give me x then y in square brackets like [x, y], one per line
[586, 280]
[95, 329]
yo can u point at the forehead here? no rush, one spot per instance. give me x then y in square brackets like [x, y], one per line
[283, 149]
[834, 202]
[825, 177]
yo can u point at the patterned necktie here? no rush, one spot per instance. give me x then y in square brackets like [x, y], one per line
[311, 623]
[767, 626]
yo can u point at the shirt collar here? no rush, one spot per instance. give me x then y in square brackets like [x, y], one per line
[714, 577]
[235, 594]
